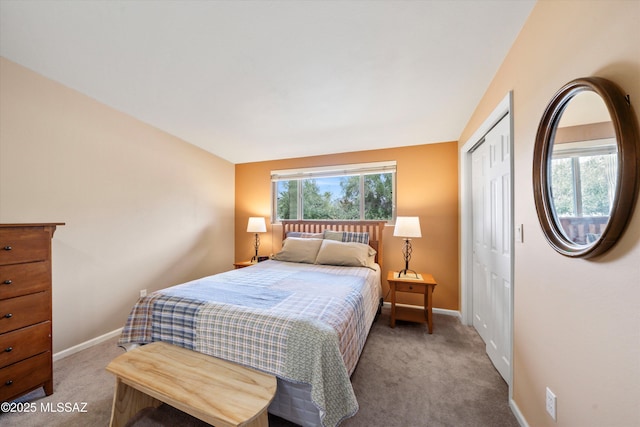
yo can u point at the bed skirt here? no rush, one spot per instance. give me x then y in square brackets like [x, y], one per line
[293, 403]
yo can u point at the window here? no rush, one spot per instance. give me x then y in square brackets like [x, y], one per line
[583, 179]
[346, 192]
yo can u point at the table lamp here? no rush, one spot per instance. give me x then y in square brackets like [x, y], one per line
[256, 225]
[407, 227]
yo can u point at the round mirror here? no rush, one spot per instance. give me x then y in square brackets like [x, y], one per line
[585, 168]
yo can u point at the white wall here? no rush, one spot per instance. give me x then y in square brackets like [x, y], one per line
[143, 209]
[576, 322]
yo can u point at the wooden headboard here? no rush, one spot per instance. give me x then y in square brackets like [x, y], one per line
[374, 228]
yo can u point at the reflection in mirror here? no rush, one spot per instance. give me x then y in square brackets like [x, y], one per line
[583, 168]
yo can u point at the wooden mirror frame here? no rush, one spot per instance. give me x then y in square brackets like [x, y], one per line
[627, 140]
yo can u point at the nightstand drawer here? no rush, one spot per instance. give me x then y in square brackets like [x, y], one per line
[24, 245]
[24, 376]
[23, 279]
[416, 288]
[16, 313]
[24, 343]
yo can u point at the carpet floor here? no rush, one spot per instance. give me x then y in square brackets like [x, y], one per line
[405, 378]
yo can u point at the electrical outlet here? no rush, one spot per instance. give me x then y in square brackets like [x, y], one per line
[551, 403]
[143, 293]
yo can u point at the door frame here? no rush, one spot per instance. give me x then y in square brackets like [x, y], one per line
[466, 214]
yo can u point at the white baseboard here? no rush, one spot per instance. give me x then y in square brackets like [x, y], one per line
[454, 313]
[76, 348]
[516, 412]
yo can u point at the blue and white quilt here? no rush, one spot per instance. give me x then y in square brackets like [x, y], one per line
[303, 323]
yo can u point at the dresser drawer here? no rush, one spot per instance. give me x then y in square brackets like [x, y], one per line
[24, 343]
[16, 313]
[23, 279]
[24, 376]
[23, 245]
[417, 288]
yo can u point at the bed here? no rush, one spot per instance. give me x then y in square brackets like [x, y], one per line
[303, 316]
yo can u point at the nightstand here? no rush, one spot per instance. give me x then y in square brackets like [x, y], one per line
[242, 264]
[423, 285]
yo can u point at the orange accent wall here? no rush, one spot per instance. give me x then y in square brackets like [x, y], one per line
[427, 186]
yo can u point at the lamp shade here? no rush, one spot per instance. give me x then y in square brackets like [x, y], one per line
[407, 226]
[256, 225]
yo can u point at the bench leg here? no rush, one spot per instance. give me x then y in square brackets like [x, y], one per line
[127, 401]
[261, 420]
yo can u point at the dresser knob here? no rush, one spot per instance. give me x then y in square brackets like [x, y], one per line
[411, 287]
[8, 349]
[7, 248]
[8, 316]
[9, 382]
[8, 282]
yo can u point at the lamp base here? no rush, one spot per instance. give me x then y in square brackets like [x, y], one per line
[405, 273]
[256, 245]
[406, 251]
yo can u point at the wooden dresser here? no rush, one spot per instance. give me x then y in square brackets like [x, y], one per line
[25, 309]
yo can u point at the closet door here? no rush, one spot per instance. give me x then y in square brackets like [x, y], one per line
[491, 188]
[481, 241]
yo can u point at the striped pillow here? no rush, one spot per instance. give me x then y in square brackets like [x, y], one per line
[356, 237]
[347, 236]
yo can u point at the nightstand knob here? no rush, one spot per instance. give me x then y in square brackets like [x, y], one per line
[8, 349]
[411, 287]
[8, 282]
[7, 248]
[8, 316]
[9, 382]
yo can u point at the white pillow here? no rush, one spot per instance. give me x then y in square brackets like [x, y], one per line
[349, 254]
[333, 235]
[298, 249]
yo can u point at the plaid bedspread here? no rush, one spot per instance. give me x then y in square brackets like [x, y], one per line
[303, 323]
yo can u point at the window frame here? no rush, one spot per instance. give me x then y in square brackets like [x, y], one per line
[336, 171]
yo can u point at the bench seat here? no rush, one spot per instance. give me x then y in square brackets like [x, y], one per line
[215, 391]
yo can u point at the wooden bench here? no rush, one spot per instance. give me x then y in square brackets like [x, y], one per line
[215, 391]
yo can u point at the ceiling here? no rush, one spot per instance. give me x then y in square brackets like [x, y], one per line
[262, 80]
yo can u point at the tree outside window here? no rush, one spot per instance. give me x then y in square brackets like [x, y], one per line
[341, 197]
[581, 185]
